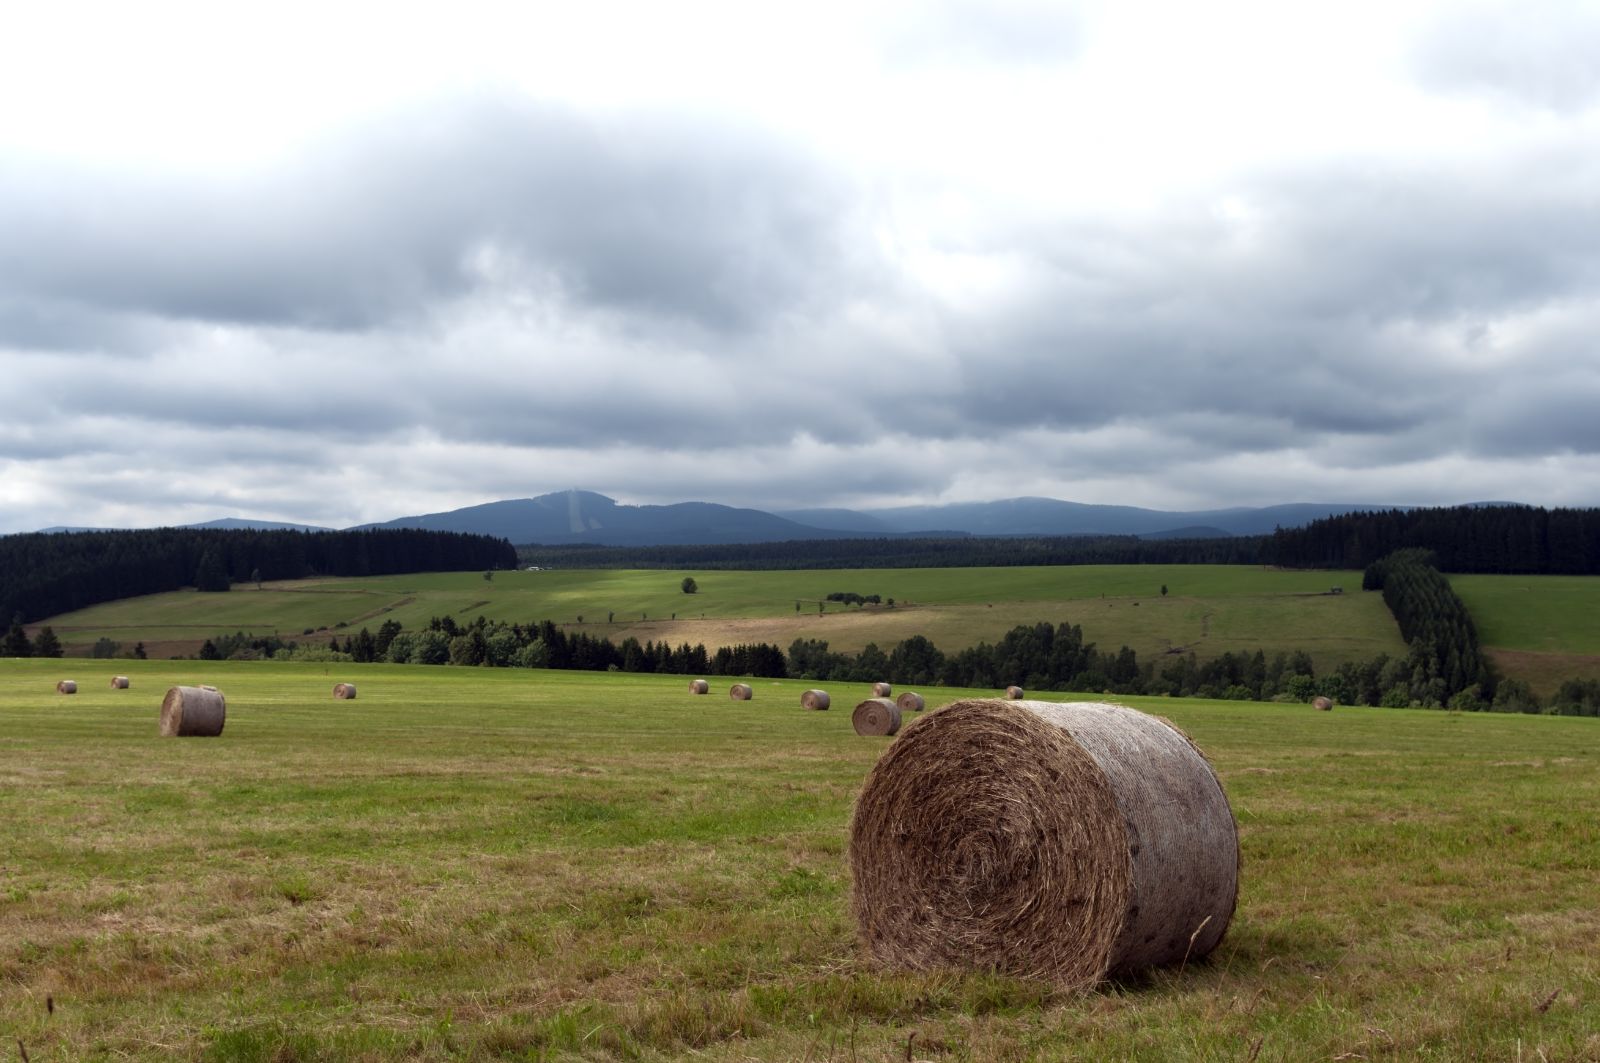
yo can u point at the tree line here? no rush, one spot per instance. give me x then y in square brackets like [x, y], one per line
[932, 552]
[1509, 539]
[43, 574]
[1037, 657]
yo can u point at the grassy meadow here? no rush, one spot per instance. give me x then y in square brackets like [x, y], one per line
[1541, 629]
[511, 865]
[1209, 609]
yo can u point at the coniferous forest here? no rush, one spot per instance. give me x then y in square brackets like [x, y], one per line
[44, 574]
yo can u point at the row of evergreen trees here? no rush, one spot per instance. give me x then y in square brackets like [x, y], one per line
[44, 574]
[1504, 538]
[1038, 657]
[1433, 619]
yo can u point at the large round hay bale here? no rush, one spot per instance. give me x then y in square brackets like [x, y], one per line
[1064, 842]
[1323, 703]
[344, 691]
[66, 686]
[882, 690]
[1015, 693]
[699, 686]
[192, 712]
[741, 692]
[119, 682]
[876, 717]
[910, 701]
[815, 699]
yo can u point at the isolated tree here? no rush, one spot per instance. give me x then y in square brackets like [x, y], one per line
[255, 577]
[208, 651]
[488, 576]
[46, 645]
[139, 652]
[17, 643]
[689, 585]
[1163, 590]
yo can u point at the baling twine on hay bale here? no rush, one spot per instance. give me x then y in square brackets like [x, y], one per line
[815, 699]
[910, 701]
[882, 690]
[1323, 703]
[699, 686]
[66, 686]
[344, 691]
[1064, 842]
[741, 692]
[1015, 693]
[119, 682]
[876, 717]
[193, 712]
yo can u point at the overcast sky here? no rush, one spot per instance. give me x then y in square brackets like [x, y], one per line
[334, 263]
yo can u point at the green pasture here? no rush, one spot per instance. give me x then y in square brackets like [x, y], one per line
[511, 865]
[1208, 609]
[1543, 614]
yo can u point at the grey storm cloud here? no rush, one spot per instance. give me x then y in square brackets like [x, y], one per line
[661, 216]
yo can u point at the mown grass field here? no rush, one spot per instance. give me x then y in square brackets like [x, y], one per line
[511, 865]
[1209, 608]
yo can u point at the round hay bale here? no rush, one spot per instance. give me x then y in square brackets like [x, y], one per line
[910, 701]
[1015, 693]
[877, 717]
[741, 692]
[344, 691]
[815, 699]
[882, 690]
[1065, 842]
[66, 686]
[699, 686]
[1323, 703]
[193, 712]
[119, 682]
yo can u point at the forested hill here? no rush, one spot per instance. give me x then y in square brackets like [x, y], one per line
[1519, 539]
[1464, 538]
[45, 574]
[966, 552]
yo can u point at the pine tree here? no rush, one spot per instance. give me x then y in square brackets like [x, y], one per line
[16, 643]
[46, 645]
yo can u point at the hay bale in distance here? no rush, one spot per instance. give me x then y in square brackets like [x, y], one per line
[741, 692]
[1015, 693]
[699, 686]
[876, 717]
[1323, 703]
[197, 712]
[119, 682]
[815, 699]
[66, 686]
[882, 690]
[1065, 842]
[910, 701]
[344, 691]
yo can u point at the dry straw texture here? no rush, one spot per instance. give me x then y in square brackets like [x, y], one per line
[741, 692]
[344, 691]
[699, 686]
[882, 690]
[66, 686]
[910, 701]
[815, 699]
[192, 712]
[119, 682]
[1325, 704]
[876, 716]
[1015, 693]
[1065, 842]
